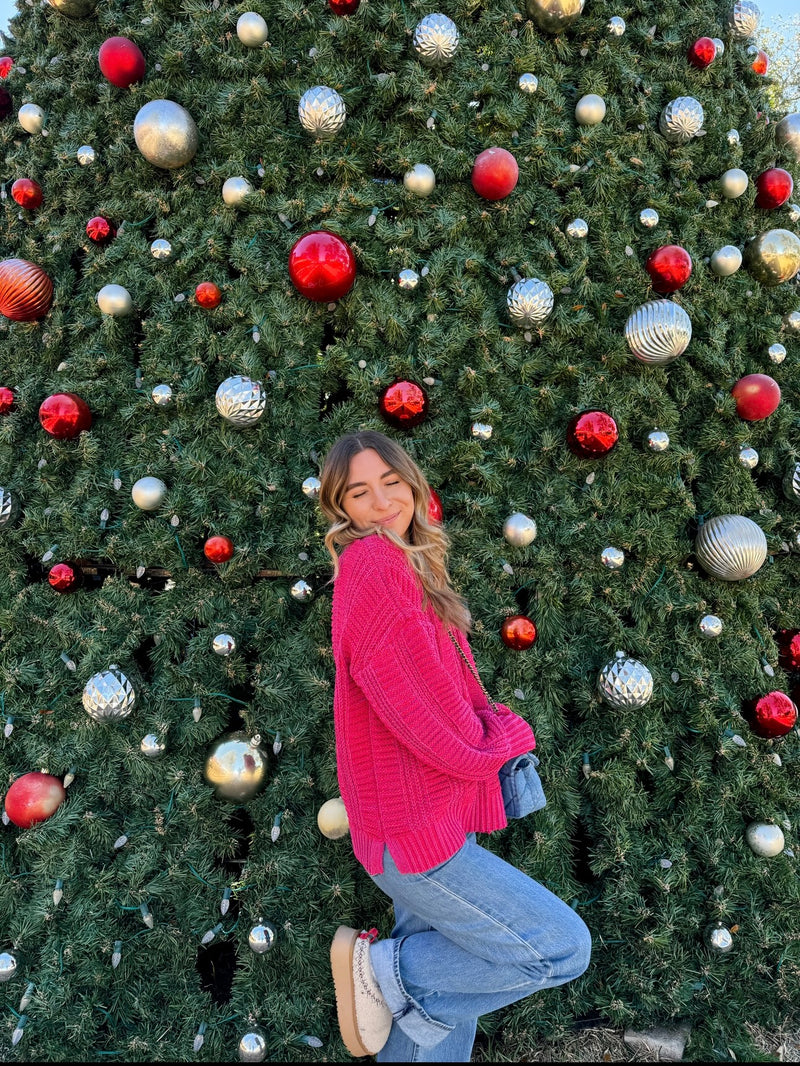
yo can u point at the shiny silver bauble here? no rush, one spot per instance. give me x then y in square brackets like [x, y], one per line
[791, 321]
[165, 134]
[108, 696]
[236, 767]
[481, 430]
[519, 530]
[625, 683]
[115, 300]
[681, 120]
[251, 29]
[657, 440]
[252, 1048]
[720, 47]
[160, 249]
[529, 302]
[764, 839]
[649, 217]
[86, 155]
[616, 26]
[311, 487]
[152, 746]
[8, 966]
[528, 83]
[776, 353]
[235, 189]
[241, 401]
[31, 118]
[734, 140]
[710, 626]
[658, 332]
[773, 257]
[420, 179]
[262, 937]
[787, 134]
[748, 457]
[161, 395]
[301, 591]
[718, 938]
[9, 507]
[731, 547]
[733, 183]
[148, 493]
[612, 558]
[725, 260]
[321, 112]
[590, 110]
[223, 644]
[435, 40]
[578, 228]
[407, 280]
[553, 16]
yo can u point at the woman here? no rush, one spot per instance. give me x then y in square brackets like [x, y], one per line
[418, 754]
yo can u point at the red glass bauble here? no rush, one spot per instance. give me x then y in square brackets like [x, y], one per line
[208, 294]
[592, 434]
[774, 188]
[322, 266]
[757, 396]
[25, 290]
[218, 549]
[773, 715]
[64, 415]
[760, 62]
[518, 632]
[344, 7]
[64, 578]
[435, 512]
[100, 229]
[788, 648]
[404, 404]
[27, 193]
[6, 103]
[32, 798]
[669, 268]
[6, 400]
[121, 61]
[702, 52]
[494, 174]
[6, 63]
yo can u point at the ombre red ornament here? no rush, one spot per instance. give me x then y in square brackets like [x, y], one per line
[64, 578]
[592, 434]
[64, 415]
[100, 230]
[33, 798]
[702, 53]
[27, 193]
[788, 641]
[6, 103]
[6, 400]
[25, 290]
[774, 188]
[760, 62]
[435, 511]
[770, 716]
[208, 294]
[322, 266]
[6, 63]
[344, 7]
[121, 61]
[404, 404]
[518, 632]
[218, 549]
[669, 268]
[757, 396]
[495, 174]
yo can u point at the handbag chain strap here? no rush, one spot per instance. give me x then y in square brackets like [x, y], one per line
[472, 670]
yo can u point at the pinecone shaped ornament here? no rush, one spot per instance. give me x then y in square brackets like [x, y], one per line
[743, 19]
[435, 40]
[241, 401]
[625, 683]
[109, 695]
[321, 111]
[681, 119]
[529, 302]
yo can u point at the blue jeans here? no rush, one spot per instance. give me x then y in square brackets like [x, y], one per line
[471, 935]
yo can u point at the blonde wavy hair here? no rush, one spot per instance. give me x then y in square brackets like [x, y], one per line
[427, 545]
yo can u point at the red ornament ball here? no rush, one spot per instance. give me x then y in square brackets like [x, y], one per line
[592, 434]
[404, 404]
[6, 103]
[773, 715]
[322, 266]
[6, 63]
[208, 294]
[64, 415]
[702, 52]
[64, 578]
[27, 193]
[789, 648]
[344, 7]
[494, 174]
[33, 798]
[518, 632]
[25, 290]
[100, 229]
[774, 188]
[435, 511]
[760, 63]
[6, 400]
[121, 61]
[218, 549]
[669, 268]
[757, 396]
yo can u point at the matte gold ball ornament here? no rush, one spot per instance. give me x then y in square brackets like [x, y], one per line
[236, 767]
[148, 493]
[733, 183]
[764, 839]
[332, 819]
[165, 134]
[555, 16]
[251, 29]
[725, 261]
[773, 257]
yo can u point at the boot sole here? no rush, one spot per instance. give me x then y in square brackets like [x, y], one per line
[342, 969]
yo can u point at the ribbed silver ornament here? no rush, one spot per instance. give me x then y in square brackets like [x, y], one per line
[9, 507]
[529, 302]
[241, 401]
[743, 19]
[436, 39]
[109, 695]
[681, 119]
[731, 547]
[321, 111]
[658, 332]
[791, 483]
[625, 683]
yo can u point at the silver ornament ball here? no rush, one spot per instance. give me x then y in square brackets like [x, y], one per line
[519, 530]
[407, 280]
[162, 395]
[241, 401]
[748, 457]
[764, 839]
[435, 40]
[725, 260]
[528, 83]
[529, 302]
[710, 626]
[720, 47]
[649, 217]
[108, 696]
[625, 683]
[776, 353]
[733, 183]
[86, 155]
[321, 112]
[658, 332]
[590, 110]
[731, 547]
[31, 118]
[743, 19]
[311, 487]
[160, 249]
[787, 134]
[8, 966]
[262, 937]
[681, 120]
[148, 493]
[252, 1048]
[657, 440]
[791, 321]
[616, 26]
[719, 938]
[152, 746]
[223, 644]
[553, 16]
[301, 591]
[165, 134]
[251, 29]
[236, 767]
[794, 212]
[420, 179]
[578, 228]
[235, 189]
[481, 430]
[612, 558]
[734, 140]
[114, 300]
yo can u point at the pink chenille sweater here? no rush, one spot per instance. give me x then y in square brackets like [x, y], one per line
[417, 748]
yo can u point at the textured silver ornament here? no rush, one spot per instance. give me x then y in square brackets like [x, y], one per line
[553, 16]
[649, 217]
[252, 1048]
[9, 507]
[235, 189]
[407, 280]
[528, 83]
[152, 746]
[773, 257]
[165, 134]
[776, 353]
[529, 302]
[114, 300]
[731, 547]
[301, 591]
[435, 40]
[791, 321]
[31, 118]
[625, 683]
[481, 430]
[223, 644]
[787, 134]
[733, 138]
[733, 183]
[748, 457]
[720, 46]
[681, 119]
[657, 440]
[262, 937]
[162, 395]
[658, 332]
[160, 249]
[710, 626]
[764, 839]
[519, 530]
[718, 938]
[725, 260]
[420, 180]
[616, 26]
[148, 493]
[578, 228]
[251, 29]
[743, 19]
[311, 487]
[241, 401]
[8, 966]
[791, 483]
[321, 112]
[108, 696]
[613, 558]
[590, 110]
[86, 155]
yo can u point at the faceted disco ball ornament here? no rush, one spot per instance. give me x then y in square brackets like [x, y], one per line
[773, 257]
[529, 302]
[236, 767]
[8, 966]
[27, 193]
[26, 292]
[234, 190]
[625, 683]
[332, 820]
[404, 404]
[731, 547]
[64, 415]
[241, 401]
[681, 120]
[495, 173]
[420, 180]
[252, 1048]
[262, 937]
[770, 716]
[757, 396]
[787, 134]
[775, 187]
[9, 507]
[322, 266]
[218, 549]
[764, 839]
[592, 434]
[669, 267]
[435, 40]
[108, 696]
[165, 134]
[251, 29]
[743, 19]
[148, 493]
[590, 110]
[553, 16]
[321, 112]
[518, 632]
[115, 301]
[519, 530]
[710, 626]
[121, 62]
[718, 938]
[725, 260]
[702, 53]
[658, 332]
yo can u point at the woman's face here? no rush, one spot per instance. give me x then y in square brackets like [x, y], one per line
[376, 495]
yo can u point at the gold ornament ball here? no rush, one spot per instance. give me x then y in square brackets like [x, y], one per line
[251, 29]
[773, 257]
[590, 110]
[114, 300]
[420, 179]
[787, 134]
[74, 9]
[148, 493]
[553, 16]
[165, 134]
[236, 767]
[31, 118]
[733, 183]
[765, 840]
[235, 189]
[332, 819]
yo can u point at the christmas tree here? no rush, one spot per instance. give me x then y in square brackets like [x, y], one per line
[552, 252]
